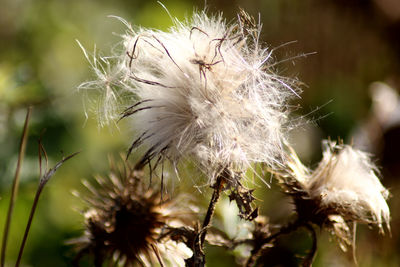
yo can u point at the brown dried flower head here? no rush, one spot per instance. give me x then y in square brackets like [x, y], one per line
[125, 222]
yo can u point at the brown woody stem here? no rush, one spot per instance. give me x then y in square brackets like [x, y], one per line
[211, 207]
[198, 259]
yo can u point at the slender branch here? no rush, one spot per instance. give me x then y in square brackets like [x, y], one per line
[157, 253]
[28, 226]
[309, 259]
[259, 244]
[43, 181]
[211, 208]
[354, 244]
[78, 257]
[15, 186]
[198, 258]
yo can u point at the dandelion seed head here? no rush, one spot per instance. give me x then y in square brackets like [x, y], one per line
[205, 89]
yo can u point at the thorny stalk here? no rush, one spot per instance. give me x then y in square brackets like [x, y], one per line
[198, 259]
[15, 185]
[211, 208]
[43, 181]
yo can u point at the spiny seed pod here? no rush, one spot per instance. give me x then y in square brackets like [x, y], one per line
[125, 220]
[204, 89]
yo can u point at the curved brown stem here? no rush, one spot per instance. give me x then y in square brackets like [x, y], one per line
[309, 259]
[259, 244]
[43, 181]
[198, 258]
[15, 185]
[28, 227]
[211, 207]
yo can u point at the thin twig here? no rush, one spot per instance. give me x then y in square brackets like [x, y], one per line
[157, 253]
[354, 250]
[78, 257]
[309, 259]
[15, 186]
[198, 258]
[260, 244]
[43, 181]
[211, 208]
[28, 226]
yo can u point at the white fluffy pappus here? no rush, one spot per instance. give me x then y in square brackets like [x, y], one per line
[205, 89]
[108, 73]
[346, 183]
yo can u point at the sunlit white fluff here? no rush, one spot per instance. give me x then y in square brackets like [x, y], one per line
[108, 74]
[204, 89]
[345, 182]
[342, 190]
[347, 178]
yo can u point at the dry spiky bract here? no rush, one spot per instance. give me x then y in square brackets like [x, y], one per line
[343, 188]
[125, 223]
[204, 89]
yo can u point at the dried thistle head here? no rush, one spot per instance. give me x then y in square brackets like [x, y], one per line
[343, 188]
[204, 89]
[125, 220]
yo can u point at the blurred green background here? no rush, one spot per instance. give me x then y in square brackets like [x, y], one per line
[356, 43]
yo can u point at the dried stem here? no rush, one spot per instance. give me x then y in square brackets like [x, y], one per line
[354, 244]
[211, 208]
[78, 257]
[258, 245]
[309, 259]
[28, 226]
[198, 258]
[15, 186]
[43, 181]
